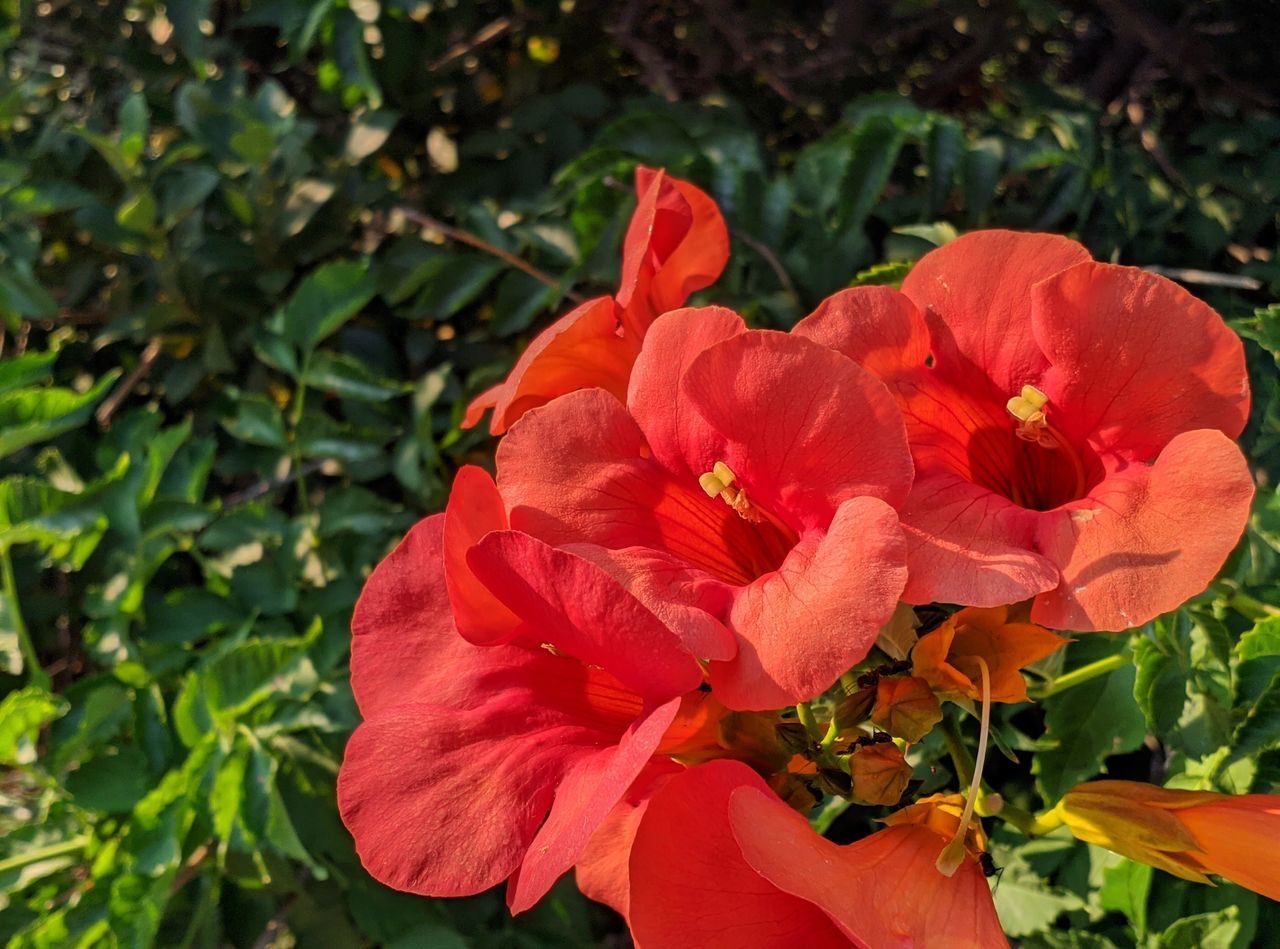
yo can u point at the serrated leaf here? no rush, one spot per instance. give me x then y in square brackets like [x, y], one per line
[1085, 725]
[22, 714]
[28, 416]
[1204, 931]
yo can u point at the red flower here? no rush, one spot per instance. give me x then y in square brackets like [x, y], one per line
[716, 860]
[1071, 424]
[479, 763]
[750, 478]
[676, 244]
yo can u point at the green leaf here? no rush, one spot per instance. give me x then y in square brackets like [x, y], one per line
[28, 416]
[22, 714]
[1126, 884]
[1084, 726]
[257, 421]
[874, 147]
[113, 781]
[1026, 903]
[326, 299]
[1204, 931]
[21, 294]
[349, 378]
[1260, 731]
[1261, 641]
[1159, 685]
[26, 370]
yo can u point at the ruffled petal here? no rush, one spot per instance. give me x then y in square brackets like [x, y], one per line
[584, 797]
[672, 430]
[968, 545]
[800, 627]
[877, 327]
[975, 294]
[691, 889]
[603, 872]
[404, 645]
[584, 349]
[686, 601]
[676, 244]
[803, 427]
[580, 471]
[1147, 538]
[571, 603]
[1136, 359]
[475, 508]
[882, 891]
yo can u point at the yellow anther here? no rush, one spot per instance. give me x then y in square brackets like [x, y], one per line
[1028, 408]
[724, 473]
[1029, 405]
[711, 484]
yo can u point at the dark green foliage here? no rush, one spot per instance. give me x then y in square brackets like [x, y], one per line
[239, 335]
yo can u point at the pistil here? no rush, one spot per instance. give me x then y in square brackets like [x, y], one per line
[721, 482]
[953, 853]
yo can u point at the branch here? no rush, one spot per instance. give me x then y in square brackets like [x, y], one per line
[466, 237]
[1206, 278]
[108, 408]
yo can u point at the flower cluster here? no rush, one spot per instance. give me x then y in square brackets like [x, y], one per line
[608, 656]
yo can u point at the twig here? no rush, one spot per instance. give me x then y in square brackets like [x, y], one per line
[255, 491]
[108, 408]
[483, 37]
[271, 931]
[465, 237]
[1136, 115]
[770, 258]
[1206, 278]
[191, 867]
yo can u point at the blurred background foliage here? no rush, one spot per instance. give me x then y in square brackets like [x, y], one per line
[255, 255]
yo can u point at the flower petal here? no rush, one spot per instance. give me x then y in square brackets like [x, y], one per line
[584, 797]
[1238, 835]
[802, 426]
[687, 601]
[975, 294]
[800, 627]
[1136, 359]
[1142, 543]
[475, 508]
[877, 327]
[676, 244]
[404, 645]
[689, 884]
[967, 544]
[603, 872]
[581, 350]
[882, 891]
[674, 431]
[579, 471]
[571, 603]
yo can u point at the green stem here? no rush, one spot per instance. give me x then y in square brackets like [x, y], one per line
[956, 747]
[1033, 825]
[1093, 670]
[38, 676]
[295, 418]
[74, 845]
[804, 712]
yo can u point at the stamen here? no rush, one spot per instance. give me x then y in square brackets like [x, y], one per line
[953, 853]
[718, 482]
[1028, 407]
